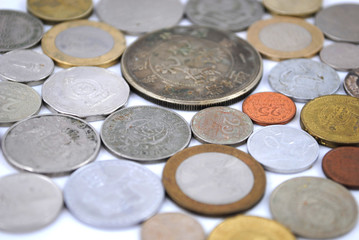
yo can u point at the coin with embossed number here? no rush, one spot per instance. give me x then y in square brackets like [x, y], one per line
[293, 7]
[351, 83]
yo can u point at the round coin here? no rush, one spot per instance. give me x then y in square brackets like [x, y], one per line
[192, 67]
[293, 7]
[351, 83]
[214, 179]
[313, 207]
[341, 56]
[221, 125]
[113, 194]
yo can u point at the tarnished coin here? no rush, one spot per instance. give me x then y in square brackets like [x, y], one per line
[221, 125]
[192, 67]
[214, 179]
[314, 207]
[341, 56]
[18, 30]
[351, 83]
[113, 194]
[232, 15]
[303, 79]
[145, 133]
[28, 202]
[85, 92]
[50, 144]
[293, 7]
[283, 149]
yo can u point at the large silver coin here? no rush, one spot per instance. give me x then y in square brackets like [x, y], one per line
[145, 133]
[283, 149]
[314, 207]
[341, 56]
[85, 92]
[303, 79]
[50, 144]
[112, 194]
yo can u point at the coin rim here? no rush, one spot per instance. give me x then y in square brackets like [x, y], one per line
[268, 4]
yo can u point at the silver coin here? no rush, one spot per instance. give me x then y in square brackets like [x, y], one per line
[17, 102]
[50, 144]
[351, 83]
[112, 194]
[303, 79]
[85, 92]
[145, 133]
[140, 16]
[233, 15]
[18, 30]
[314, 207]
[341, 56]
[25, 66]
[28, 202]
[283, 149]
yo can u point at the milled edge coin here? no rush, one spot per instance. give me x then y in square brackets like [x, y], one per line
[293, 7]
[341, 56]
[351, 83]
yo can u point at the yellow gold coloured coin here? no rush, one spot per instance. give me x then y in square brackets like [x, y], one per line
[333, 120]
[300, 8]
[83, 43]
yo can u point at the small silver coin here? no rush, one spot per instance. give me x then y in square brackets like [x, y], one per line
[28, 202]
[114, 193]
[50, 144]
[303, 79]
[351, 83]
[283, 149]
[85, 92]
[313, 207]
[341, 56]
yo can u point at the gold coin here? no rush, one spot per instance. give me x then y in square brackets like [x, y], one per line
[281, 38]
[83, 43]
[300, 8]
[333, 120]
[250, 227]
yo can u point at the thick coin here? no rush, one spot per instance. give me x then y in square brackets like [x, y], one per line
[145, 133]
[314, 207]
[351, 83]
[50, 144]
[341, 56]
[221, 125]
[293, 7]
[85, 92]
[113, 194]
[192, 67]
[214, 179]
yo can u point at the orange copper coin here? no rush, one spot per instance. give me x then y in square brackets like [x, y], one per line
[268, 108]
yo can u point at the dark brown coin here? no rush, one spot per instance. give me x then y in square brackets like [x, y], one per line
[351, 83]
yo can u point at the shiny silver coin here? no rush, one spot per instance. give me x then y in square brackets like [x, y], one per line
[50, 144]
[341, 56]
[145, 133]
[112, 194]
[283, 149]
[85, 92]
[351, 83]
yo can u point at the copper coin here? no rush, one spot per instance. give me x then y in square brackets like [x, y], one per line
[342, 166]
[267, 108]
[351, 83]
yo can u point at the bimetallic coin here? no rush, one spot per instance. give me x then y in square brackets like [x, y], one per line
[192, 67]
[113, 194]
[313, 207]
[298, 8]
[341, 56]
[351, 83]
[50, 144]
[85, 92]
[145, 133]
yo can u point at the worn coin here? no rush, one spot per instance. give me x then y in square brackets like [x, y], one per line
[351, 83]
[341, 56]
[50, 144]
[214, 179]
[85, 92]
[293, 7]
[232, 15]
[113, 194]
[314, 207]
[303, 79]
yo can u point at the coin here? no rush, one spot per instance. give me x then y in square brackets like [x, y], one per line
[28, 202]
[113, 194]
[214, 179]
[83, 43]
[303, 79]
[177, 226]
[243, 227]
[332, 120]
[267, 108]
[18, 30]
[145, 133]
[341, 56]
[191, 67]
[314, 207]
[221, 125]
[281, 38]
[232, 15]
[50, 144]
[85, 92]
[293, 7]
[351, 83]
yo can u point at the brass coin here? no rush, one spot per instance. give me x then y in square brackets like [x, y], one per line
[192, 67]
[333, 120]
[300, 8]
